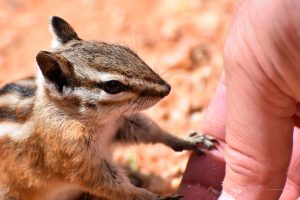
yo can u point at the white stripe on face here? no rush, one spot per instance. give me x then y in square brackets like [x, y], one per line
[99, 95]
[96, 76]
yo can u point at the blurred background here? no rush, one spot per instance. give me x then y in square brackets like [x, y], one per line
[182, 40]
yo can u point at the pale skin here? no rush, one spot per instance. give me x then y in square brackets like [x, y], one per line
[255, 112]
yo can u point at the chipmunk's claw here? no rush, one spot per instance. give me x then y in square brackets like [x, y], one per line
[205, 141]
[196, 142]
[177, 197]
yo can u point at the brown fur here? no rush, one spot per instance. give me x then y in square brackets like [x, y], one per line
[64, 127]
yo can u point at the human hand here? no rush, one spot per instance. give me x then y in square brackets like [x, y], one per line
[262, 60]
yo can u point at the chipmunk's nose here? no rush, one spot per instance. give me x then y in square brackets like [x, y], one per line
[166, 90]
[161, 91]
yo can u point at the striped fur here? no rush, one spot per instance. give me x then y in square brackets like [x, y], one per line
[56, 132]
[16, 100]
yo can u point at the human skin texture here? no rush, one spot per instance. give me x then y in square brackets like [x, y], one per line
[255, 111]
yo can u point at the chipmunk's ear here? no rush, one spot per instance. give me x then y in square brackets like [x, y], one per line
[55, 68]
[62, 31]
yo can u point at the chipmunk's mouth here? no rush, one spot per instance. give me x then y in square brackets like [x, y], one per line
[144, 103]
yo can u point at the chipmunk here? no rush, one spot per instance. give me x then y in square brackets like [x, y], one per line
[56, 130]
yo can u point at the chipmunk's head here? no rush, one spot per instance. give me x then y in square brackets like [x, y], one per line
[98, 78]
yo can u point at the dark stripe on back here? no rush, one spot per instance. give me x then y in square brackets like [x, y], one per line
[7, 114]
[22, 90]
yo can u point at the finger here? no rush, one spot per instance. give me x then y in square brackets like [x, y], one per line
[292, 186]
[259, 112]
[215, 117]
[204, 175]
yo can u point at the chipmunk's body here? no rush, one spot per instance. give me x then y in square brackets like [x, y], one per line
[56, 131]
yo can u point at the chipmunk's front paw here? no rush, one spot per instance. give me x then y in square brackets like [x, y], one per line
[177, 197]
[207, 142]
[197, 142]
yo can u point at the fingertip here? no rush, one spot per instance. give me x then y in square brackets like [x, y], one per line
[206, 170]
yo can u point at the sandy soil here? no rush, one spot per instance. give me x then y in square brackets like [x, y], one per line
[181, 39]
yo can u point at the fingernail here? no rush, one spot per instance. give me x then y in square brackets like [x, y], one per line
[225, 196]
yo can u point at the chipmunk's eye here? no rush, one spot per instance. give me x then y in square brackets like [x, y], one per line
[113, 87]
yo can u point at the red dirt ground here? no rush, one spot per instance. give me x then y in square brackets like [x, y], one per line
[181, 39]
